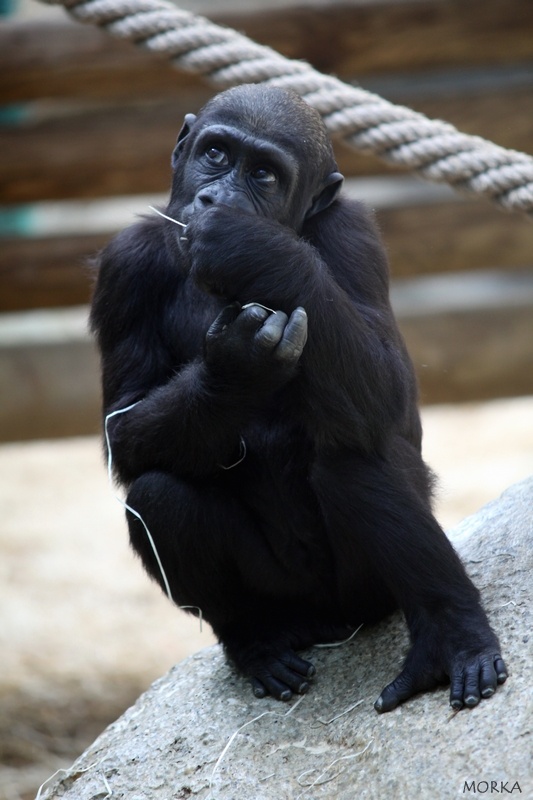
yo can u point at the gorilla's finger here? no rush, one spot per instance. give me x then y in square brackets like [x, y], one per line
[259, 688]
[297, 664]
[272, 330]
[294, 337]
[501, 669]
[457, 689]
[228, 315]
[272, 686]
[405, 685]
[252, 317]
[472, 695]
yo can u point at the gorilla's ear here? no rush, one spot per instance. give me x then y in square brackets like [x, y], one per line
[182, 135]
[332, 187]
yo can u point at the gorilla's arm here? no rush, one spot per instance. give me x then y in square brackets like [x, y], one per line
[357, 381]
[190, 416]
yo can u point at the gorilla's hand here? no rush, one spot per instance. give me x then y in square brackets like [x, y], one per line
[253, 350]
[238, 255]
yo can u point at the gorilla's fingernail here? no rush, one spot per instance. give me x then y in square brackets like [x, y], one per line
[471, 700]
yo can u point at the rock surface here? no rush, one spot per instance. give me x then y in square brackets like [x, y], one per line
[198, 732]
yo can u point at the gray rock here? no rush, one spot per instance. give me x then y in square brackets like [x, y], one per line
[199, 733]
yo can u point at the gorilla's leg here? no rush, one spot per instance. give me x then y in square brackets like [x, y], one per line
[371, 510]
[216, 560]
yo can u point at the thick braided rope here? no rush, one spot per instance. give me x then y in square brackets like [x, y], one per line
[396, 134]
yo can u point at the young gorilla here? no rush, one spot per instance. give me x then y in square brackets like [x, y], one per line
[275, 455]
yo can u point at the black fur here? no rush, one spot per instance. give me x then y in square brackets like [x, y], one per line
[326, 521]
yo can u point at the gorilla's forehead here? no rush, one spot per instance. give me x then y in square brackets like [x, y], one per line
[272, 114]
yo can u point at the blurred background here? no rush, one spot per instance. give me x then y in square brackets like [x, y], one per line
[87, 125]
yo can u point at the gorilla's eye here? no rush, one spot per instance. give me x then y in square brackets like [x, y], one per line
[216, 156]
[264, 175]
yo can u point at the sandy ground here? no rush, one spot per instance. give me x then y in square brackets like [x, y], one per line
[83, 631]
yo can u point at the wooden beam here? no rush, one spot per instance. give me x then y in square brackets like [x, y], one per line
[453, 237]
[470, 336]
[348, 39]
[47, 272]
[65, 59]
[88, 152]
[472, 354]
[357, 38]
[49, 384]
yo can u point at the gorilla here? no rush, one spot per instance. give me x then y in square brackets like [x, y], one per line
[262, 411]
